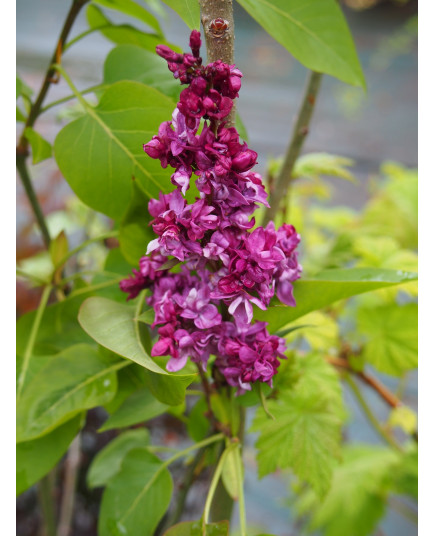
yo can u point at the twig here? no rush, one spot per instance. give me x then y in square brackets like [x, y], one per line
[51, 72]
[370, 416]
[299, 134]
[218, 25]
[31, 196]
[72, 465]
[375, 384]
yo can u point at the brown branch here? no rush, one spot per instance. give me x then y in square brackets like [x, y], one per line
[50, 75]
[301, 130]
[217, 18]
[375, 384]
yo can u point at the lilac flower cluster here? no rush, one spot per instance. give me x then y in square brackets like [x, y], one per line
[206, 307]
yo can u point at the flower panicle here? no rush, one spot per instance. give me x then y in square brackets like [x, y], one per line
[206, 308]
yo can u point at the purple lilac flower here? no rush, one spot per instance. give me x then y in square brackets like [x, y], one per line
[207, 308]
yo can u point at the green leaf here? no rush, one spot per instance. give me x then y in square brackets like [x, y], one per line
[137, 497]
[313, 31]
[41, 148]
[356, 500]
[241, 128]
[230, 476]
[391, 333]
[197, 424]
[319, 329]
[406, 475]
[58, 248]
[135, 232]
[112, 325]
[188, 10]
[121, 33]
[37, 457]
[304, 436]
[140, 407]
[20, 116]
[59, 328]
[108, 461]
[100, 154]
[315, 165]
[130, 62]
[404, 418]
[129, 7]
[330, 286]
[78, 378]
[194, 528]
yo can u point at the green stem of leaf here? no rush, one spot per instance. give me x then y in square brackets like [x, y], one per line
[92, 288]
[212, 488]
[73, 96]
[84, 34]
[32, 338]
[370, 416]
[241, 503]
[83, 245]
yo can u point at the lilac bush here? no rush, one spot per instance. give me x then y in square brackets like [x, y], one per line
[206, 307]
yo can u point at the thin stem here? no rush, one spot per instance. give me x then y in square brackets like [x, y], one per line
[241, 504]
[72, 96]
[212, 488]
[370, 416]
[72, 465]
[85, 34]
[45, 496]
[25, 275]
[72, 277]
[84, 244]
[301, 129]
[32, 338]
[92, 288]
[49, 75]
[31, 196]
[392, 400]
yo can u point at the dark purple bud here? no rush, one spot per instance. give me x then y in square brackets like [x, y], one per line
[245, 160]
[168, 54]
[195, 43]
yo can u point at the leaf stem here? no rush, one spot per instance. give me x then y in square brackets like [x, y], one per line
[301, 129]
[370, 416]
[31, 196]
[109, 234]
[212, 488]
[32, 338]
[241, 504]
[73, 96]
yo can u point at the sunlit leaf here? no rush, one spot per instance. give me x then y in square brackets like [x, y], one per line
[313, 31]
